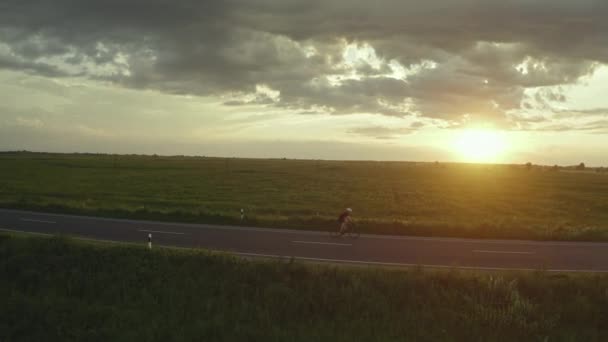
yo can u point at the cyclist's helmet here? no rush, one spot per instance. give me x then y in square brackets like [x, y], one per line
[349, 210]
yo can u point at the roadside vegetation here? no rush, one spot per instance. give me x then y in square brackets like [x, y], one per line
[59, 289]
[432, 199]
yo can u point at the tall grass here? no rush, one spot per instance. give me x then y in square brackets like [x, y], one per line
[465, 200]
[57, 289]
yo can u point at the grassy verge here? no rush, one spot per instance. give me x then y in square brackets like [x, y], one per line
[58, 289]
[484, 201]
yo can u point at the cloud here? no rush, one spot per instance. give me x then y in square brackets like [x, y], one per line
[29, 123]
[596, 126]
[448, 60]
[578, 113]
[383, 132]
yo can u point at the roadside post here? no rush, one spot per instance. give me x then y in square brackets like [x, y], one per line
[242, 214]
[149, 241]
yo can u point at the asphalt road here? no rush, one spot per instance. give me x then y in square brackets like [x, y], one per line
[319, 246]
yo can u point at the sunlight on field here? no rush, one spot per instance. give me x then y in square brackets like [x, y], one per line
[481, 146]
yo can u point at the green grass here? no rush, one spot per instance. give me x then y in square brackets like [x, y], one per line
[58, 289]
[488, 201]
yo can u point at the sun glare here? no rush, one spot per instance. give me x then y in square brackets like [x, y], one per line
[480, 146]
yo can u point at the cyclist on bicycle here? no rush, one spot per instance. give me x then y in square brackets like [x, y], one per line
[345, 219]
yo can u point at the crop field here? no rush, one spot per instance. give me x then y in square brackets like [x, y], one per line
[59, 289]
[431, 199]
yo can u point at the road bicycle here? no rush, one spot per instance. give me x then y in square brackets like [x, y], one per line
[351, 231]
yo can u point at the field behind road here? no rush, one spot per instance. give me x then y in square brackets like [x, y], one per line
[56, 289]
[463, 200]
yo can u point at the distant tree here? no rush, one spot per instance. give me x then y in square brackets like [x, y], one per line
[581, 166]
[529, 166]
[555, 168]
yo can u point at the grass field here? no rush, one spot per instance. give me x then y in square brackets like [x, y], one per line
[58, 289]
[498, 201]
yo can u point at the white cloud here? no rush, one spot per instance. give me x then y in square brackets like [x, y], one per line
[29, 123]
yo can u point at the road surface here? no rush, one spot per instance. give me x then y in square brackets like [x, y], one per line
[319, 246]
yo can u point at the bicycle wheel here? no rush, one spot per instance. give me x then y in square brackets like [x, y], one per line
[334, 233]
[353, 232]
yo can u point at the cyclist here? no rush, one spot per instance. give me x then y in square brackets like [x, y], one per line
[345, 219]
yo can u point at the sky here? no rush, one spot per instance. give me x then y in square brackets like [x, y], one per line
[455, 80]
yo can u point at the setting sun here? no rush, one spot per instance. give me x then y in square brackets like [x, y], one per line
[482, 146]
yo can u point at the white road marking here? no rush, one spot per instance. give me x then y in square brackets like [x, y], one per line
[71, 236]
[539, 243]
[22, 231]
[501, 252]
[323, 243]
[160, 232]
[34, 220]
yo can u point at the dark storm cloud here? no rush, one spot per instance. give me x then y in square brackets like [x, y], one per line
[11, 62]
[455, 25]
[486, 52]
